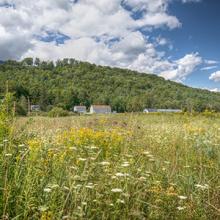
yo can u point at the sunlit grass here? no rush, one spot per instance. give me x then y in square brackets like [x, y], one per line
[128, 166]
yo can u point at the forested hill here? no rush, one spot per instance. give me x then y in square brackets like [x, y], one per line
[71, 83]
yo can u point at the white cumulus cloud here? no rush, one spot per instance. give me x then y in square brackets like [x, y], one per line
[214, 90]
[211, 62]
[188, 1]
[215, 76]
[183, 67]
[99, 31]
[209, 68]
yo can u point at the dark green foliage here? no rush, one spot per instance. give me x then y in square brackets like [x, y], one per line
[22, 106]
[70, 83]
[57, 112]
[6, 116]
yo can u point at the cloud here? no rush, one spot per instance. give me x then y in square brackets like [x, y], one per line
[85, 18]
[190, 1]
[161, 41]
[211, 62]
[214, 90]
[209, 68]
[102, 32]
[183, 67]
[12, 44]
[215, 76]
[133, 51]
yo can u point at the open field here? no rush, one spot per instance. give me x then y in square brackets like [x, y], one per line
[123, 166]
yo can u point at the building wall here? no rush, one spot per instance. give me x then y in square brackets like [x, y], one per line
[80, 109]
[35, 108]
[162, 110]
[100, 110]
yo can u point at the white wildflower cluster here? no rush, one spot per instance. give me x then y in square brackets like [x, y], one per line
[116, 190]
[53, 186]
[146, 153]
[43, 208]
[142, 178]
[104, 163]
[181, 208]
[90, 186]
[82, 159]
[47, 190]
[78, 186]
[149, 155]
[122, 175]
[202, 187]
[94, 148]
[120, 201]
[125, 164]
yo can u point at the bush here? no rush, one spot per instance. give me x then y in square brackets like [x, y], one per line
[6, 116]
[58, 112]
[20, 110]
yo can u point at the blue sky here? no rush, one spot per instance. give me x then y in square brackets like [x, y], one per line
[200, 32]
[176, 39]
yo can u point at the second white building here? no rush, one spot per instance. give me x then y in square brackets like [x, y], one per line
[100, 109]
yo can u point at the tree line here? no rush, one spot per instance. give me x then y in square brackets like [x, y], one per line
[69, 82]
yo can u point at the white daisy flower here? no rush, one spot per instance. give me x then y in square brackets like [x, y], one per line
[104, 163]
[120, 201]
[182, 197]
[180, 208]
[47, 190]
[202, 187]
[125, 164]
[122, 174]
[117, 190]
[82, 159]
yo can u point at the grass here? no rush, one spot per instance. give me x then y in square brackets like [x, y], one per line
[123, 166]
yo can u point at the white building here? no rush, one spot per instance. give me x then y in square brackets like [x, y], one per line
[35, 108]
[100, 109]
[150, 110]
[79, 109]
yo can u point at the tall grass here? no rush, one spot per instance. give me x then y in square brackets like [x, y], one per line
[113, 167]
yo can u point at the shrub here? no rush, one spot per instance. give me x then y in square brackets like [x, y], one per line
[6, 116]
[57, 112]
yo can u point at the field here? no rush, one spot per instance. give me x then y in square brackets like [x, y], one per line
[122, 166]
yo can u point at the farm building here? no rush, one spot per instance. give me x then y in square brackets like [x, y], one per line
[79, 109]
[150, 110]
[100, 109]
[35, 108]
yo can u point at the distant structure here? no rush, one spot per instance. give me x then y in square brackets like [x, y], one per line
[80, 109]
[151, 110]
[100, 109]
[35, 108]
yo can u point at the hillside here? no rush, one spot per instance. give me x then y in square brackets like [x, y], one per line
[71, 82]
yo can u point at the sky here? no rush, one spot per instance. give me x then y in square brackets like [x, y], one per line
[175, 39]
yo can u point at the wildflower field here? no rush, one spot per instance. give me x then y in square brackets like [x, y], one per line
[122, 166]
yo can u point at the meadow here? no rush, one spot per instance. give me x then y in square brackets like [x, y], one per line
[122, 166]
